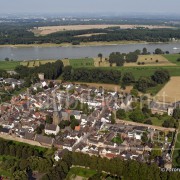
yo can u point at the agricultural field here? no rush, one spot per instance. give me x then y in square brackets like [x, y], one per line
[171, 91]
[89, 35]
[151, 60]
[103, 63]
[35, 63]
[8, 65]
[53, 29]
[76, 63]
[173, 58]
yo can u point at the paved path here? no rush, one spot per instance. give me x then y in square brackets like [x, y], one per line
[13, 138]
[145, 125]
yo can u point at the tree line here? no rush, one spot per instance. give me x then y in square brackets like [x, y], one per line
[91, 75]
[30, 159]
[116, 167]
[120, 58]
[22, 35]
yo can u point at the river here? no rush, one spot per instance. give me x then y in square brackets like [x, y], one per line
[38, 53]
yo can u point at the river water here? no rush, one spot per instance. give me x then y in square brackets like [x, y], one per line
[38, 53]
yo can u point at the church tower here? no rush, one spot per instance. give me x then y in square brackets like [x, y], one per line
[56, 116]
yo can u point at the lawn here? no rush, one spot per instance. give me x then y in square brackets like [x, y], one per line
[8, 65]
[173, 58]
[144, 71]
[117, 140]
[156, 121]
[78, 171]
[76, 63]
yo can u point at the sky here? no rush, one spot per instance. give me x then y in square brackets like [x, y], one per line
[90, 6]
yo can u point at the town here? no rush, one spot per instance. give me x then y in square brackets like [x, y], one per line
[81, 118]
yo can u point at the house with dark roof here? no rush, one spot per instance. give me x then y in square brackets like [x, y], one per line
[44, 140]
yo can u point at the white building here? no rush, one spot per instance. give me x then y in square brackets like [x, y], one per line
[52, 129]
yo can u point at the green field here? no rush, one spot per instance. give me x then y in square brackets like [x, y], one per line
[157, 122]
[8, 65]
[173, 58]
[82, 172]
[76, 63]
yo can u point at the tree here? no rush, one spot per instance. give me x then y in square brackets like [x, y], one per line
[146, 110]
[144, 83]
[117, 58]
[161, 76]
[144, 137]
[128, 78]
[20, 175]
[121, 114]
[148, 122]
[178, 160]
[113, 120]
[40, 128]
[176, 113]
[100, 56]
[23, 164]
[6, 59]
[144, 51]
[51, 84]
[155, 152]
[49, 119]
[158, 51]
[134, 92]
[137, 116]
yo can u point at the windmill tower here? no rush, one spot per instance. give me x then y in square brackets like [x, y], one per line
[56, 116]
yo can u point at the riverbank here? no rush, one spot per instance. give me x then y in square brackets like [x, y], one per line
[83, 44]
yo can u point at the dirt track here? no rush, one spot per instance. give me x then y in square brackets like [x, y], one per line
[13, 138]
[145, 125]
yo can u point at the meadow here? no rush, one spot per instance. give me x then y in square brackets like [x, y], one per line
[8, 65]
[173, 58]
[82, 172]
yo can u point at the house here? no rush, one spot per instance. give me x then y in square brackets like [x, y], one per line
[135, 134]
[29, 136]
[4, 130]
[126, 102]
[68, 144]
[51, 129]
[160, 108]
[44, 140]
[13, 82]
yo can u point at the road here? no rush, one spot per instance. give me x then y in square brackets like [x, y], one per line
[145, 125]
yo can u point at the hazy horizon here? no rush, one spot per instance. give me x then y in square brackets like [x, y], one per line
[89, 7]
